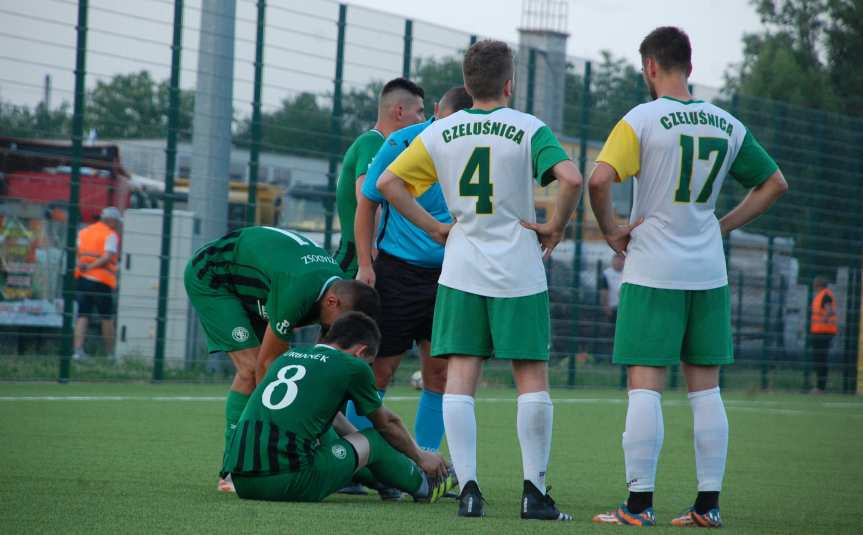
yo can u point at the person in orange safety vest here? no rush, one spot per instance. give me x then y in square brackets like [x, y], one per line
[96, 278]
[823, 329]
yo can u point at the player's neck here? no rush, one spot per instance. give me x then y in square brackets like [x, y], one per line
[674, 87]
[488, 105]
[385, 127]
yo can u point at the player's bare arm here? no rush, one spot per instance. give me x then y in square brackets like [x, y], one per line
[396, 192]
[551, 232]
[271, 347]
[391, 427]
[599, 186]
[759, 199]
[364, 225]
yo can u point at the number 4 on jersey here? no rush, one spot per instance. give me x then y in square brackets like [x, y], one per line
[478, 166]
[706, 146]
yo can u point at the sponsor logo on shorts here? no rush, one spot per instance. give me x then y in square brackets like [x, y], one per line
[283, 326]
[240, 334]
[339, 451]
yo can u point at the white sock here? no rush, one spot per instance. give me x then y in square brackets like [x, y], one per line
[460, 424]
[534, 423]
[710, 438]
[642, 439]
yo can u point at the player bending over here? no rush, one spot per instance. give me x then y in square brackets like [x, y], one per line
[284, 448]
[405, 274]
[492, 298]
[400, 104]
[250, 289]
[674, 302]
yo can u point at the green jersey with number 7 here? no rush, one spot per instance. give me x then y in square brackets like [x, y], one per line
[680, 153]
[294, 405]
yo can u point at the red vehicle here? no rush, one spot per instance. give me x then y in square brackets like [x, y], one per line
[35, 171]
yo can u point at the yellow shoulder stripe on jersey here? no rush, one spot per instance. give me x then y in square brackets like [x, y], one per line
[622, 151]
[415, 167]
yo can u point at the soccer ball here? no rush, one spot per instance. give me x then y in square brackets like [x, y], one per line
[417, 380]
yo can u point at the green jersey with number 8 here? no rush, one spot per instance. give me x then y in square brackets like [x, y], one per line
[680, 153]
[294, 405]
[486, 163]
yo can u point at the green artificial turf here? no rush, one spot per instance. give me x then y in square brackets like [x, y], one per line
[141, 458]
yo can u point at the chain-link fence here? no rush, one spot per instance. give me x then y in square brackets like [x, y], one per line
[160, 106]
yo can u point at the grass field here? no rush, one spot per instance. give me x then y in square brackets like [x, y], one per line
[139, 458]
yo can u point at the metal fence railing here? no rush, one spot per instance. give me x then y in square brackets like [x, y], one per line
[98, 108]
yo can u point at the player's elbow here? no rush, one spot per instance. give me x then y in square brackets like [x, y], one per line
[567, 174]
[599, 181]
[780, 184]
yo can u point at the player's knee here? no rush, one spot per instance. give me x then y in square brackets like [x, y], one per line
[384, 369]
[434, 377]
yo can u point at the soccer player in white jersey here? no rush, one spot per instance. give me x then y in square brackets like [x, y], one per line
[674, 302]
[492, 298]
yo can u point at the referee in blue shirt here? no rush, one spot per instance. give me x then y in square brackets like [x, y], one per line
[405, 273]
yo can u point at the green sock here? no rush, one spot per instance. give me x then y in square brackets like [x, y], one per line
[364, 476]
[234, 406]
[391, 467]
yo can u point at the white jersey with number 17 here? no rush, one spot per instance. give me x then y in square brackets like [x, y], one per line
[485, 162]
[680, 153]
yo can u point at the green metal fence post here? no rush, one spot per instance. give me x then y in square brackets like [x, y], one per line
[255, 149]
[765, 342]
[531, 79]
[579, 219]
[807, 355]
[409, 39]
[168, 209]
[335, 129]
[68, 345]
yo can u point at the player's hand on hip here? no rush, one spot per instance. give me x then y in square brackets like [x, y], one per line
[432, 464]
[441, 232]
[549, 236]
[366, 274]
[618, 239]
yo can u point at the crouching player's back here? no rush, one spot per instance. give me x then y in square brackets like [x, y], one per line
[292, 444]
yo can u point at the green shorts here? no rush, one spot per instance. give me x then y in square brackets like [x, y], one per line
[658, 327]
[333, 467]
[228, 326]
[515, 328]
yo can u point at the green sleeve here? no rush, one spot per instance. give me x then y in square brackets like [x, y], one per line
[753, 165]
[362, 389]
[366, 153]
[545, 153]
[288, 303]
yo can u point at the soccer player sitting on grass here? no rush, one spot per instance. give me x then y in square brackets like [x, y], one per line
[674, 302]
[492, 298]
[284, 447]
[250, 289]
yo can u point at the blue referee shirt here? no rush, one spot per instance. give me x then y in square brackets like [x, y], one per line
[396, 235]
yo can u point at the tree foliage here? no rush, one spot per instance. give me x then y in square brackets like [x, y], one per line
[797, 90]
[136, 106]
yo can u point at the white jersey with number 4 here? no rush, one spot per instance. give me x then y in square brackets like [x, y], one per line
[485, 162]
[680, 153]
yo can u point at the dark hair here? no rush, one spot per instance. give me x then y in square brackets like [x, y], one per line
[456, 98]
[670, 47]
[403, 84]
[361, 296]
[352, 328]
[486, 68]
